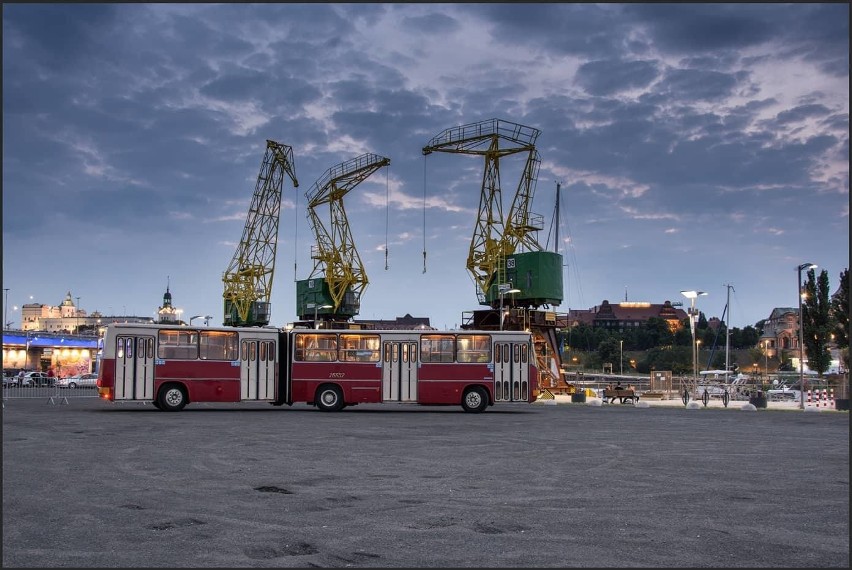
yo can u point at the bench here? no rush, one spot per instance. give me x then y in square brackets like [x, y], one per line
[623, 395]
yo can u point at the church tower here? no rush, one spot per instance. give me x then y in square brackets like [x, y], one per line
[167, 314]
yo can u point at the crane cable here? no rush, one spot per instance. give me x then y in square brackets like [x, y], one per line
[296, 239]
[424, 214]
[387, 213]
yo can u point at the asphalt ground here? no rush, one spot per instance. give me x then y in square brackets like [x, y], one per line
[95, 484]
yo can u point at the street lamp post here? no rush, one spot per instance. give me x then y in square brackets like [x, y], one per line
[801, 339]
[207, 320]
[316, 316]
[77, 314]
[6, 308]
[693, 316]
[504, 288]
[621, 357]
[194, 317]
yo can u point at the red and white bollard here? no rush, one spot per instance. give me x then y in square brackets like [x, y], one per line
[809, 397]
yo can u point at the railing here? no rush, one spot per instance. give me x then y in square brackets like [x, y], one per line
[51, 394]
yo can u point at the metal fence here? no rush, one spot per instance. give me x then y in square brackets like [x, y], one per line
[51, 394]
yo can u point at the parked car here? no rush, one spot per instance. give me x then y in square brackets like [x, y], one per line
[37, 379]
[78, 381]
[9, 380]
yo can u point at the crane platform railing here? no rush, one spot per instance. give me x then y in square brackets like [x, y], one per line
[342, 170]
[472, 133]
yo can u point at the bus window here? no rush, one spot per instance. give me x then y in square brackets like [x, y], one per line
[359, 347]
[316, 347]
[437, 347]
[178, 344]
[474, 348]
[219, 345]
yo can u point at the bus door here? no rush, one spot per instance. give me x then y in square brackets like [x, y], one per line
[257, 369]
[511, 372]
[399, 371]
[134, 367]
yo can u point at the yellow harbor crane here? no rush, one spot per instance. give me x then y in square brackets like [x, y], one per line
[248, 279]
[338, 280]
[505, 258]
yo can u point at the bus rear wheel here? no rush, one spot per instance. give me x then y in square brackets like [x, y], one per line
[171, 398]
[329, 398]
[475, 399]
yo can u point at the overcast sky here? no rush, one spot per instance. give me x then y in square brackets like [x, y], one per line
[697, 146]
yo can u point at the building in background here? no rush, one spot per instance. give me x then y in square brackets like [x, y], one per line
[624, 316]
[780, 332]
[68, 318]
[167, 313]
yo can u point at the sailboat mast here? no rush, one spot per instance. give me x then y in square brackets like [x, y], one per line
[556, 241]
[728, 331]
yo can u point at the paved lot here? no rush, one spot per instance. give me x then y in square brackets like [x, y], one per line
[93, 484]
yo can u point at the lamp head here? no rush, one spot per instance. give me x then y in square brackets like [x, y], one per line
[807, 266]
[692, 294]
[513, 291]
[325, 307]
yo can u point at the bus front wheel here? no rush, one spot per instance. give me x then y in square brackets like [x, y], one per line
[171, 398]
[475, 399]
[329, 398]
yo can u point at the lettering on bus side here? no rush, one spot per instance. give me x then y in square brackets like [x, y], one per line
[336, 374]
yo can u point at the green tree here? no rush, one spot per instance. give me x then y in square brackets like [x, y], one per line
[816, 321]
[610, 350]
[840, 316]
[657, 333]
[678, 359]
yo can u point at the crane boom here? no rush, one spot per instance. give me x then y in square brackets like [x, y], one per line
[248, 279]
[495, 237]
[338, 278]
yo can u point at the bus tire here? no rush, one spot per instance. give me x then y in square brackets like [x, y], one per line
[475, 399]
[329, 398]
[171, 398]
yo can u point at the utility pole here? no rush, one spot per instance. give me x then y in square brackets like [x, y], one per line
[6, 308]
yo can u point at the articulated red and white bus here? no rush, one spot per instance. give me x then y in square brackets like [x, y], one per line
[171, 366]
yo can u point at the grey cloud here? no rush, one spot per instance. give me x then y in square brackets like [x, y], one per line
[431, 24]
[59, 36]
[613, 76]
[802, 112]
[682, 28]
[697, 84]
